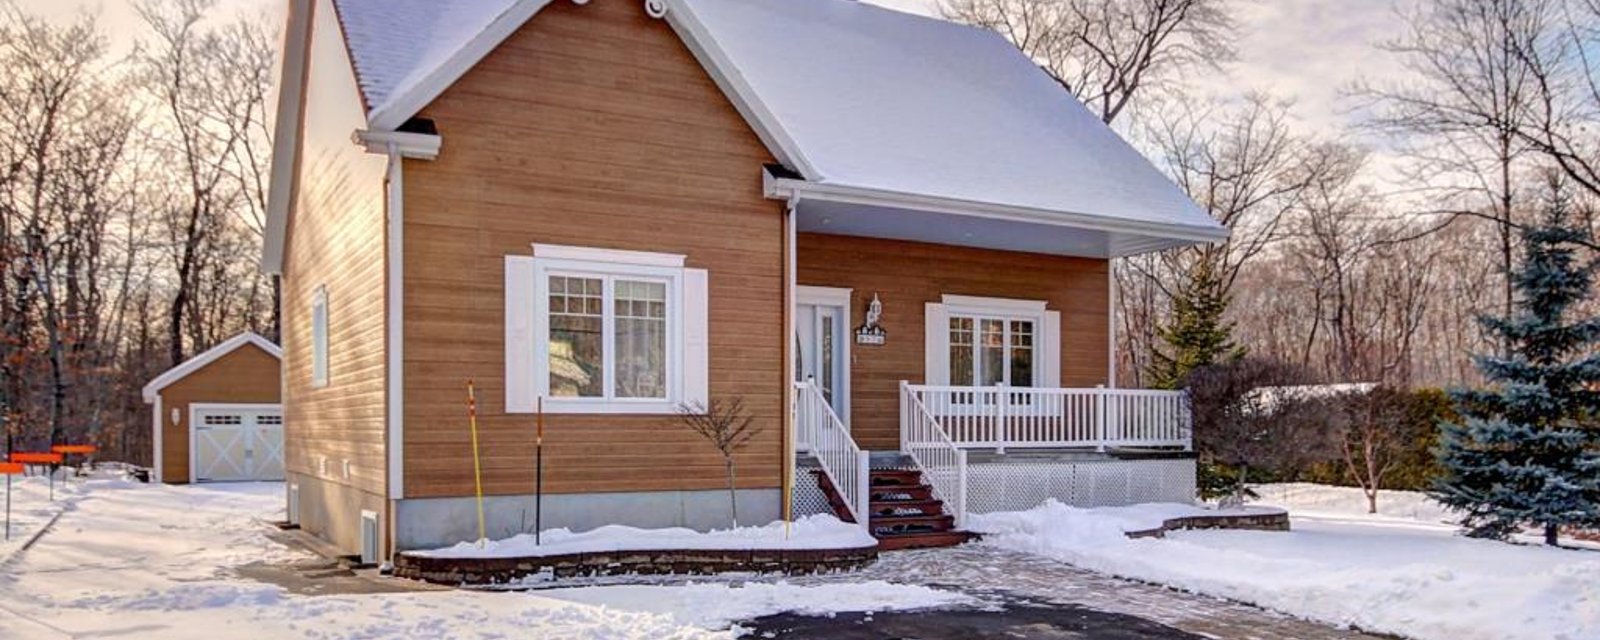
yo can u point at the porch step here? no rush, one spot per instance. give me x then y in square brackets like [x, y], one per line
[924, 540]
[890, 493]
[901, 511]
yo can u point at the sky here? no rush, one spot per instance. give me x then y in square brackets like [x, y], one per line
[1307, 51]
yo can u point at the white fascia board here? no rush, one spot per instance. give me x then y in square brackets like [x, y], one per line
[726, 75]
[422, 146]
[406, 102]
[286, 133]
[789, 189]
[209, 356]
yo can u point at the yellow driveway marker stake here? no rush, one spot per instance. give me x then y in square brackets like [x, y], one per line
[477, 465]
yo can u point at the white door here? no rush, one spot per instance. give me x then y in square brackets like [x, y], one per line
[821, 341]
[237, 443]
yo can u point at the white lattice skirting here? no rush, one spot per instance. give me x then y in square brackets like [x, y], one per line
[808, 497]
[1019, 486]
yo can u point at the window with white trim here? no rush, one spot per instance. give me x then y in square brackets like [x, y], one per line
[988, 342]
[604, 331]
[319, 337]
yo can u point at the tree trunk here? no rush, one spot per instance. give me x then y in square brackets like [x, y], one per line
[733, 494]
[1551, 534]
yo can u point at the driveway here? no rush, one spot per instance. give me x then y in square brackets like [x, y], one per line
[1027, 588]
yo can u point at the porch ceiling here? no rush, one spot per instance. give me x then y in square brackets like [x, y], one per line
[897, 223]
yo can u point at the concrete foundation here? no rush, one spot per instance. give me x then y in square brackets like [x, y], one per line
[332, 511]
[430, 523]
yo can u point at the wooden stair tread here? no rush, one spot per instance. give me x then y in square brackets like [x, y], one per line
[924, 540]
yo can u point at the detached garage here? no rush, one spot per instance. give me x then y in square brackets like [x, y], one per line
[218, 417]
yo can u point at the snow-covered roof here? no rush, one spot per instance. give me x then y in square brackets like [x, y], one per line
[207, 357]
[848, 95]
[874, 98]
[406, 52]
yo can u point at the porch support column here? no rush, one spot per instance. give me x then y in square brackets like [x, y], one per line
[787, 340]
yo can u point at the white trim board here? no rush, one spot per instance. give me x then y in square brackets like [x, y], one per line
[843, 298]
[209, 356]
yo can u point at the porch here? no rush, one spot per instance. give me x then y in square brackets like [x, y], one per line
[980, 449]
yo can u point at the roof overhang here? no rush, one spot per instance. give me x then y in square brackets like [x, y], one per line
[854, 210]
[211, 355]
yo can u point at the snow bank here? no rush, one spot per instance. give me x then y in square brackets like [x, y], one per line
[1105, 524]
[1383, 574]
[811, 532]
[719, 606]
[1325, 499]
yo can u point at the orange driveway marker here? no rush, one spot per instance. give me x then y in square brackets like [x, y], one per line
[36, 457]
[66, 449]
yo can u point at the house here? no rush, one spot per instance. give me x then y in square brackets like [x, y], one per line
[216, 417]
[888, 235]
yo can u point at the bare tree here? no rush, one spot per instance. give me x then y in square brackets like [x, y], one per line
[727, 427]
[1464, 107]
[208, 82]
[1376, 432]
[1107, 51]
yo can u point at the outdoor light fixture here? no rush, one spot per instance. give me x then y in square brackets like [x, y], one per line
[176, 416]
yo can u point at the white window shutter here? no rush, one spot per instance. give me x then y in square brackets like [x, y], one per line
[696, 338]
[937, 343]
[522, 348]
[1051, 343]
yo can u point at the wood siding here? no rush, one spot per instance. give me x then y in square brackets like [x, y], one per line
[246, 375]
[335, 240]
[592, 126]
[907, 275]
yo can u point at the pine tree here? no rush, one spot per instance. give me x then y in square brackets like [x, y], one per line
[1527, 450]
[1196, 335]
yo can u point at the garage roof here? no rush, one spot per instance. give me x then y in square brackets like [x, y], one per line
[209, 356]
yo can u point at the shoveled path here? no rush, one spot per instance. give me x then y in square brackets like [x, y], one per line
[1023, 582]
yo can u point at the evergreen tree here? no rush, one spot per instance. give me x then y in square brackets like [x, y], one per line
[1527, 450]
[1196, 335]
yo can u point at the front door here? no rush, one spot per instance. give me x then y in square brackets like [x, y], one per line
[821, 323]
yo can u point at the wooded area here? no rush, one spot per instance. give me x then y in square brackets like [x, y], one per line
[132, 189]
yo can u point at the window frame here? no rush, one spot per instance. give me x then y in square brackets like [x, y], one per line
[612, 268]
[978, 318]
[320, 328]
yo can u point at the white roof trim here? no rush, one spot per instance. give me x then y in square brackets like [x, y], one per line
[788, 188]
[286, 132]
[209, 356]
[738, 91]
[407, 101]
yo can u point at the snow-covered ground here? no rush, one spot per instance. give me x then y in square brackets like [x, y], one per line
[1401, 572]
[32, 508]
[810, 532]
[136, 560]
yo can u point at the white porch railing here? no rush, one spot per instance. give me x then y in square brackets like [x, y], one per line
[943, 464]
[1015, 417]
[819, 431]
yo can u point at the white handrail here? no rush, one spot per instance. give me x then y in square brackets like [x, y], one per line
[942, 463]
[1017, 417]
[820, 431]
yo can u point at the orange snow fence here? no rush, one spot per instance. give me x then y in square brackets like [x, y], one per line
[65, 449]
[29, 457]
[11, 468]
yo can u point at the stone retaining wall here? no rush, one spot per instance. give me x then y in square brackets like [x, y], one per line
[483, 571]
[1271, 521]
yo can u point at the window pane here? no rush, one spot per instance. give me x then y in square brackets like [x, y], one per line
[826, 354]
[961, 352]
[577, 351]
[1021, 353]
[991, 352]
[641, 334]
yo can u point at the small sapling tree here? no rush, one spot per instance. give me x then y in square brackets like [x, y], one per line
[728, 428]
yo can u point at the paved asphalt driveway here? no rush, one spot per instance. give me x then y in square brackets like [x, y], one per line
[1038, 598]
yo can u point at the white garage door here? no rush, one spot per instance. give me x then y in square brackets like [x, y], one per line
[234, 444]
